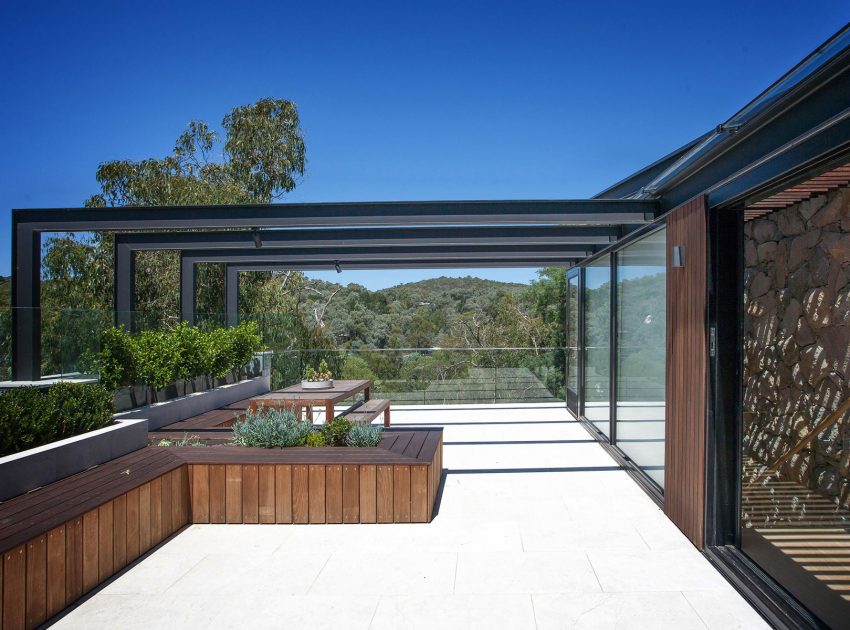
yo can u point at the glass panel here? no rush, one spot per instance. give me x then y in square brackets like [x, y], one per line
[795, 495]
[572, 335]
[597, 343]
[641, 352]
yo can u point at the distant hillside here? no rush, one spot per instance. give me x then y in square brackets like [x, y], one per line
[414, 314]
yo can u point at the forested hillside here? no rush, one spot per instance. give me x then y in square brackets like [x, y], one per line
[415, 315]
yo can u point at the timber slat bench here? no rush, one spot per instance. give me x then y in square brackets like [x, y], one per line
[397, 482]
[60, 541]
[368, 411]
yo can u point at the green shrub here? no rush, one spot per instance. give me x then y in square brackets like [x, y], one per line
[116, 361]
[336, 431]
[315, 439]
[270, 428]
[157, 358]
[33, 416]
[189, 342]
[79, 408]
[365, 435]
[161, 357]
[245, 339]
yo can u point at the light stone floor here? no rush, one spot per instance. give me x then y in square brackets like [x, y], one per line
[514, 546]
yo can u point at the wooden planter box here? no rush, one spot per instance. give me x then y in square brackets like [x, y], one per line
[395, 482]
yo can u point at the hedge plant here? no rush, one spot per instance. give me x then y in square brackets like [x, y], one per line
[161, 357]
[33, 416]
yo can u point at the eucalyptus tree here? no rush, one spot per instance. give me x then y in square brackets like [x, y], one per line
[258, 156]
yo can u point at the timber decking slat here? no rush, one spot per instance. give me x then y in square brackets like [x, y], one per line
[206, 420]
[13, 509]
[36, 587]
[267, 493]
[415, 445]
[333, 493]
[218, 511]
[56, 599]
[14, 587]
[403, 440]
[300, 492]
[283, 493]
[72, 502]
[429, 448]
[74, 506]
[250, 494]
[350, 494]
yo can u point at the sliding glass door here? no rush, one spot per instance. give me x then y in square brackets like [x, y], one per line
[572, 340]
[597, 344]
[641, 352]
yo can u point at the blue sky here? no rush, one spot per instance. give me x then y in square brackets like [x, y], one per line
[424, 100]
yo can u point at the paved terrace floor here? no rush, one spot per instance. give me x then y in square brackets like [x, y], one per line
[514, 546]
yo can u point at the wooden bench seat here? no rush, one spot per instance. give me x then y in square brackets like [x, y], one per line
[60, 541]
[368, 411]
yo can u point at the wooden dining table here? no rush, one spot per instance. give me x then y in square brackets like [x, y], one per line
[304, 398]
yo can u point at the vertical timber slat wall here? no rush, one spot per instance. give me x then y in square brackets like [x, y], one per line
[687, 371]
[49, 572]
[317, 493]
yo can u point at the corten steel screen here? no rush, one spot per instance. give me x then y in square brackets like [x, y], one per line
[795, 493]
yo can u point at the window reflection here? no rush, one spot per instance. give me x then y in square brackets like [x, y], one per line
[641, 352]
[597, 343]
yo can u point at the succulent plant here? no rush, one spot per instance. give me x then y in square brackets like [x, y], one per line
[365, 435]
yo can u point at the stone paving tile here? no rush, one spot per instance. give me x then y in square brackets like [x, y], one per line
[583, 547]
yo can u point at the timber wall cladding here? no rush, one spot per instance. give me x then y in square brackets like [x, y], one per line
[61, 541]
[43, 575]
[381, 486]
[687, 371]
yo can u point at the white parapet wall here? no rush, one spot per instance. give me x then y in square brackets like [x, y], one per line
[177, 409]
[37, 467]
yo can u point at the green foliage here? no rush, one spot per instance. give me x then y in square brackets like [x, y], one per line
[364, 435]
[315, 439]
[245, 340]
[157, 358]
[336, 431]
[356, 368]
[323, 373]
[270, 428]
[160, 357]
[116, 362]
[32, 416]
[263, 155]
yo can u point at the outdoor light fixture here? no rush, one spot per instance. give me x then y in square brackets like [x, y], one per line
[677, 256]
[257, 240]
[337, 266]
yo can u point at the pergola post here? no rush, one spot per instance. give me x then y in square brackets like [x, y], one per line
[26, 302]
[124, 288]
[187, 289]
[231, 294]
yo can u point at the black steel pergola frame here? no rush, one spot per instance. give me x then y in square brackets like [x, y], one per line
[28, 225]
[512, 246]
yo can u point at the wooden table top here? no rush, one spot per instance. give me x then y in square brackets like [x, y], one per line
[340, 391]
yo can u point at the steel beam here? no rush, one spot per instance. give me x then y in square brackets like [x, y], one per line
[506, 236]
[28, 224]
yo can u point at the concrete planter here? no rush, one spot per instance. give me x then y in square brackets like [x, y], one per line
[177, 409]
[36, 467]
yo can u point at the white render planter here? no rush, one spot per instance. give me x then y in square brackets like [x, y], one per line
[37, 467]
[177, 409]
